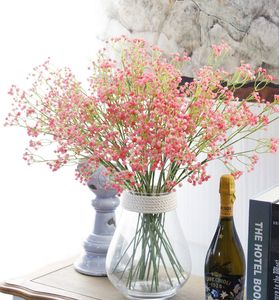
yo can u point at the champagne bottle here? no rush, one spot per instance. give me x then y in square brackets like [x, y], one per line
[225, 261]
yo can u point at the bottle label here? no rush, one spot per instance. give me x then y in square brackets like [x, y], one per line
[226, 210]
[224, 287]
[227, 202]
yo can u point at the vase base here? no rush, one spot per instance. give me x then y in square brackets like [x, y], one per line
[164, 295]
[151, 298]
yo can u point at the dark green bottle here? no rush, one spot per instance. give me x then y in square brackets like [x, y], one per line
[225, 261]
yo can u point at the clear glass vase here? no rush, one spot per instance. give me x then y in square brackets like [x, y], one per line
[148, 257]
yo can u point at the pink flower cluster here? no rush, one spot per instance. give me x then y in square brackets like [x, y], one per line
[136, 120]
[220, 49]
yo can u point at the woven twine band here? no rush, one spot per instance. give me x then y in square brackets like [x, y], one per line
[149, 204]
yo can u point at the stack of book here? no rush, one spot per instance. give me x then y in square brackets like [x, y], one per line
[263, 247]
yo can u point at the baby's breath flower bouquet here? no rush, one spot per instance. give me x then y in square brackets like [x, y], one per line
[147, 129]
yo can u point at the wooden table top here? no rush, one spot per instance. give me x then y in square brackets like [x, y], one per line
[61, 281]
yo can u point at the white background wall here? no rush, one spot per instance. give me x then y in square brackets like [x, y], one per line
[45, 216]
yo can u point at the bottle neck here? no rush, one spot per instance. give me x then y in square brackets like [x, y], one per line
[226, 207]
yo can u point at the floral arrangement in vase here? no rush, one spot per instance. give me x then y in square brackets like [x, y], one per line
[151, 133]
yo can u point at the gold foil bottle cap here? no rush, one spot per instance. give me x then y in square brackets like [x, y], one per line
[227, 185]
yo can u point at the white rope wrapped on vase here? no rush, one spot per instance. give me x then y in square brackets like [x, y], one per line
[149, 204]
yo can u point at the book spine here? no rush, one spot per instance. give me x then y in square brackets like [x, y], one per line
[273, 269]
[258, 250]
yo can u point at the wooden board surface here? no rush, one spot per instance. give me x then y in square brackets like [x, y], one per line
[61, 281]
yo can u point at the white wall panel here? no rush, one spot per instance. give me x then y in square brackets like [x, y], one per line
[199, 206]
